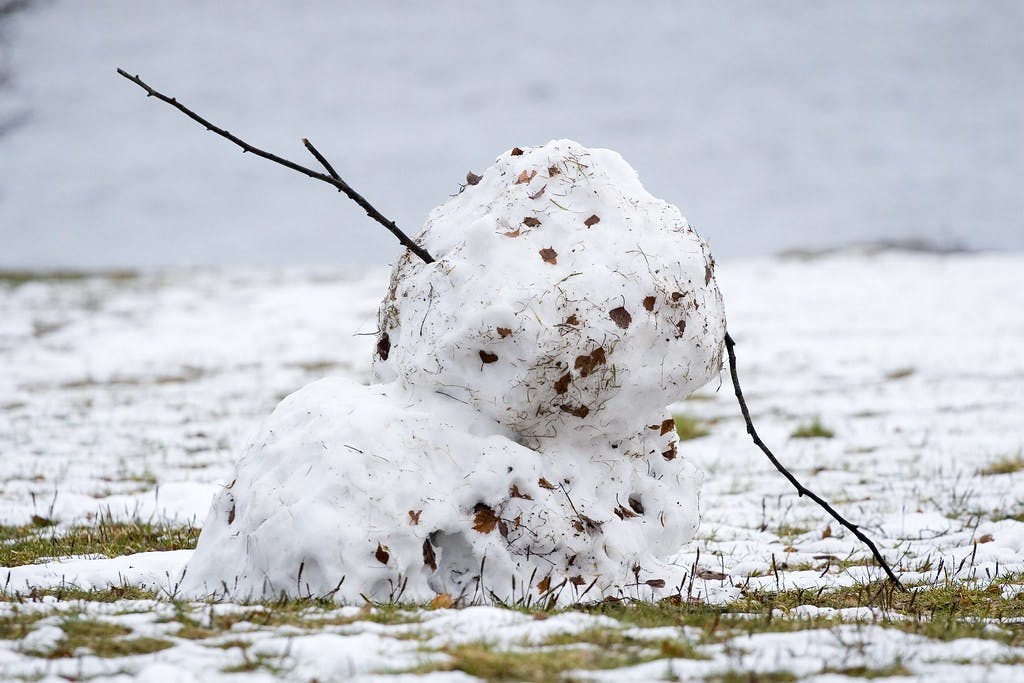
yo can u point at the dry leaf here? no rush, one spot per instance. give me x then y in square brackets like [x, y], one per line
[621, 317]
[484, 519]
[544, 584]
[987, 538]
[670, 454]
[668, 425]
[577, 411]
[382, 554]
[655, 583]
[525, 177]
[516, 152]
[586, 364]
[572, 320]
[592, 221]
[624, 513]
[649, 303]
[472, 178]
[514, 492]
[553, 171]
[414, 516]
[711, 575]
[549, 255]
[429, 559]
[513, 233]
[676, 296]
[545, 484]
[636, 505]
[441, 601]
[488, 357]
[680, 328]
[383, 346]
[827, 533]
[538, 193]
[577, 581]
[531, 222]
[562, 383]
[504, 331]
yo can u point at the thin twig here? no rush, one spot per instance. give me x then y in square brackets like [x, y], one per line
[320, 157]
[331, 179]
[800, 488]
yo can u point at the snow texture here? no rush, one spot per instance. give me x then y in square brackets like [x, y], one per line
[521, 445]
[130, 397]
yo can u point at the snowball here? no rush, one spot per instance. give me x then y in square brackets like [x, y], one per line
[518, 444]
[409, 494]
[566, 302]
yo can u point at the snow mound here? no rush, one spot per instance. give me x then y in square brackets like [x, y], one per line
[518, 445]
[566, 301]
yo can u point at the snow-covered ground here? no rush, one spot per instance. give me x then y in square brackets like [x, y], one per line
[131, 396]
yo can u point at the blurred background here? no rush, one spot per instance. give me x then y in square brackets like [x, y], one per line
[773, 126]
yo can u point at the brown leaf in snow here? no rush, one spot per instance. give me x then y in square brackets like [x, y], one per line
[516, 152]
[544, 584]
[382, 554]
[670, 454]
[545, 484]
[487, 356]
[514, 492]
[572, 320]
[538, 193]
[549, 255]
[553, 171]
[655, 583]
[512, 233]
[586, 364]
[576, 411]
[531, 222]
[472, 178]
[562, 383]
[504, 331]
[621, 317]
[667, 426]
[649, 303]
[592, 221]
[711, 575]
[383, 346]
[624, 513]
[414, 516]
[484, 519]
[429, 559]
[525, 177]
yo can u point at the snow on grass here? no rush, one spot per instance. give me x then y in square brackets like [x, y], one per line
[125, 399]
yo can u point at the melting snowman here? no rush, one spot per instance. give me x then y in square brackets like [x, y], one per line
[516, 444]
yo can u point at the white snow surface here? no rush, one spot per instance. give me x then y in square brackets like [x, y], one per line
[522, 446]
[133, 397]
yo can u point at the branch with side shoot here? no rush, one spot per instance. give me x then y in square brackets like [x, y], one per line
[332, 178]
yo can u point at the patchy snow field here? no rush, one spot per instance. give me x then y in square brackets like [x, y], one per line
[125, 398]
